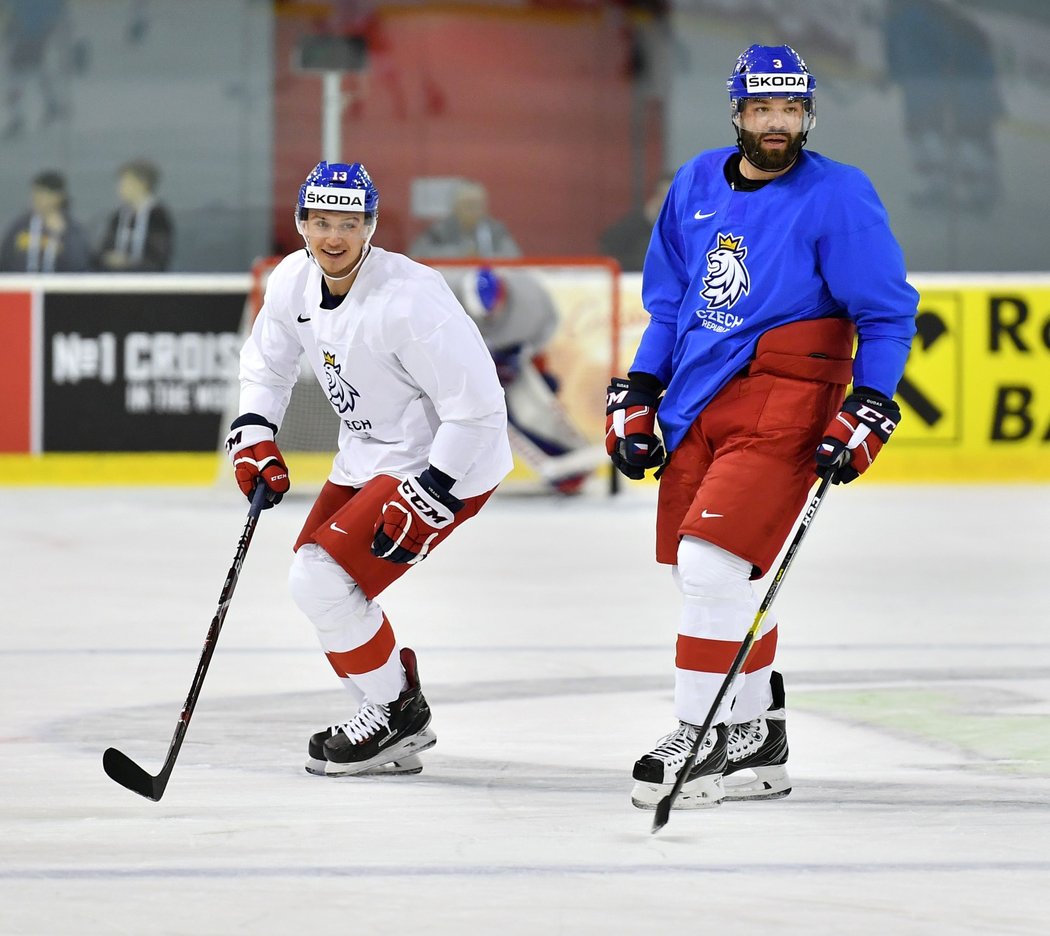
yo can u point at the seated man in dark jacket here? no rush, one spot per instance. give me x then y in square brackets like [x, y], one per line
[139, 235]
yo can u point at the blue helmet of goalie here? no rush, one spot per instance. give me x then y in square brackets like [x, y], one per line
[483, 294]
[339, 187]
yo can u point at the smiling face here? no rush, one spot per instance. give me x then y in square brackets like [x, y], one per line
[771, 131]
[336, 239]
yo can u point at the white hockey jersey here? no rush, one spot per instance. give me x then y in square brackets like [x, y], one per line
[401, 362]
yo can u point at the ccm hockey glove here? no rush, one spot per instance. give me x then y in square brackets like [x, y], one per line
[630, 428]
[419, 510]
[855, 436]
[256, 458]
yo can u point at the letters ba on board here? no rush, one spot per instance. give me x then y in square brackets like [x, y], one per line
[976, 389]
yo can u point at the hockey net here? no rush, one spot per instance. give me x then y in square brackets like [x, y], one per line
[581, 356]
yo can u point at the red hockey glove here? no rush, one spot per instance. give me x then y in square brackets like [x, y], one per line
[855, 436]
[630, 429]
[419, 510]
[256, 458]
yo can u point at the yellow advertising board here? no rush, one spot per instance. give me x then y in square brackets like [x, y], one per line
[975, 397]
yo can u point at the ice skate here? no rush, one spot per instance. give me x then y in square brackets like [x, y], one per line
[316, 762]
[655, 773]
[760, 747]
[380, 735]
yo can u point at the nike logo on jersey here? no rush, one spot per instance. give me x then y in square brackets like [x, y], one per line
[700, 216]
[338, 529]
[299, 318]
[708, 516]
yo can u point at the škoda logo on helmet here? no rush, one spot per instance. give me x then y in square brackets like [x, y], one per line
[346, 200]
[775, 82]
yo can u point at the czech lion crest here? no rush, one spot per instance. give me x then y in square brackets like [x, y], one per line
[339, 390]
[727, 278]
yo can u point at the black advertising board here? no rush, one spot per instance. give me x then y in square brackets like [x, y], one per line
[138, 372]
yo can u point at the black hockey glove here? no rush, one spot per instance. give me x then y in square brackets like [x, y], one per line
[630, 426]
[508, 364]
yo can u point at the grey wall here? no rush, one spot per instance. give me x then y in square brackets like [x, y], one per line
[970, 71]
[189, 84]
[185, 83]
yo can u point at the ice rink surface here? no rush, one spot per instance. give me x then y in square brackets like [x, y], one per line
[915, 643]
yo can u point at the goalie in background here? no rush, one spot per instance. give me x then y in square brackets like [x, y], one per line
[517, 319]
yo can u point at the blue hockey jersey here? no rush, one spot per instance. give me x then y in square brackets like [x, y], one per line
[723, 267]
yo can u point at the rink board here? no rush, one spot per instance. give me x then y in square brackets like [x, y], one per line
[90, 377]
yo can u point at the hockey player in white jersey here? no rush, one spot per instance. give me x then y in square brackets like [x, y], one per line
[422, 445]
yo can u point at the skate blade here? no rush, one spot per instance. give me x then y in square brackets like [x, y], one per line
[403, 766]
[416, 744]
[409, 764]
[768, 783]
[701, 793]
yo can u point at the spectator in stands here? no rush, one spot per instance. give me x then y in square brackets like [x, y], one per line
[469, 231]
[45, 239]
[140, 234]
[627, 240]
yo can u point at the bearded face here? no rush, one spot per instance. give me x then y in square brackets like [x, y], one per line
[772, 130]
[770, 152]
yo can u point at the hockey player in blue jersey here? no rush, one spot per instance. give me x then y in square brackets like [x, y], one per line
[766, 262]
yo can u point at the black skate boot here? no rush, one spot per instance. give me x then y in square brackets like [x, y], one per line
[317, 761]
[382, 734]
[760, 746]
[655, 773]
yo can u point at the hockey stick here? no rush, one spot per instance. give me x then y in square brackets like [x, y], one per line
[122, 768]
[663, 808]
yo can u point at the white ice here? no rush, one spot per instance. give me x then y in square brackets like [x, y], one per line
[915, 648]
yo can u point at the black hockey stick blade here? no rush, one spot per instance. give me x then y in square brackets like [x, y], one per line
[663, 808]
[119, 766]
[662, 814]
[127, 773]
